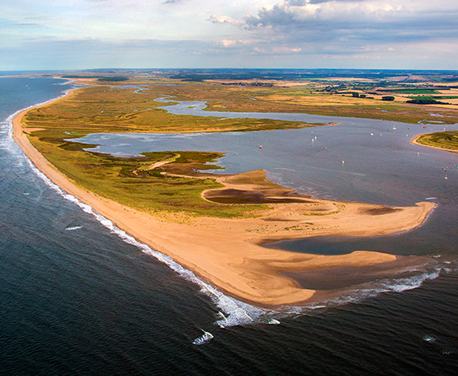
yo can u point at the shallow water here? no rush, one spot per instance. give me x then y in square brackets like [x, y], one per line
[77, 299]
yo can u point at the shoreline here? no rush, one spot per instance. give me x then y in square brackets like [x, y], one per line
[414, 141]
[226, 252]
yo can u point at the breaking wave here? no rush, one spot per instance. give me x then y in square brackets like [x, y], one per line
[391, 285]
[73, 228]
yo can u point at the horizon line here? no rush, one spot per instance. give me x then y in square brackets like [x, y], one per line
[229, 68]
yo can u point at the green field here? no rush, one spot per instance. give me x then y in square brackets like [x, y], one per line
[445, 96]
[413, 91]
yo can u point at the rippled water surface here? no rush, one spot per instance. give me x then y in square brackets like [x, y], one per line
[77, 299]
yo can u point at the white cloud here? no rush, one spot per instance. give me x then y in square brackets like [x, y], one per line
[225, 20]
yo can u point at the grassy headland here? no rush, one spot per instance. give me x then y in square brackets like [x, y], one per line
[443, 140]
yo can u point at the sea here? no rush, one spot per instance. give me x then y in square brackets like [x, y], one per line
[80, 297]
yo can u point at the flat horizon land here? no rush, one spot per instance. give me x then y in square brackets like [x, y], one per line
[213, 224]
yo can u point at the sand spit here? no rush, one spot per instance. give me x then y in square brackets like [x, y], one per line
[229, 252]
[414, 141]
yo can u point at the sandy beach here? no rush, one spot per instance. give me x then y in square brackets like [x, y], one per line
[229, 252]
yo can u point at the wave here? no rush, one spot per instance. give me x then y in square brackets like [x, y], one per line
[73, 228]
[203, 339]
[393, 285]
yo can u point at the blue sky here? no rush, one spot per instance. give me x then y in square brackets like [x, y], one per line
[75, 34]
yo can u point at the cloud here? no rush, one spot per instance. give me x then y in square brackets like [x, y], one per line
[366, 20]
[225, 20]
[325, 1]
[229, 33]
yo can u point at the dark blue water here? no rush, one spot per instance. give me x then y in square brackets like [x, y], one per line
[77, 300]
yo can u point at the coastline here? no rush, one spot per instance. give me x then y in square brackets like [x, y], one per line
[414, 141]
[226, 252]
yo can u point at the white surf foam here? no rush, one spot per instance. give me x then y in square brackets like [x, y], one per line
[73, 228]
[395, 285]
[203, 339]
[429, 338]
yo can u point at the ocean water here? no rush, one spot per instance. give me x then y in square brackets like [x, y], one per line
[77, 299]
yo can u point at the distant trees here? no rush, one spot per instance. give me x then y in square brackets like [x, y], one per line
[113, 78]
[355, 94]
[99, 78]
[389, 98]
[425, 100]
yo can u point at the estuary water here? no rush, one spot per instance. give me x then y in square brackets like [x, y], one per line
[77, 297]
[357, 160]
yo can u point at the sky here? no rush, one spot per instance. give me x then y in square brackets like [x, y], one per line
[79, 34]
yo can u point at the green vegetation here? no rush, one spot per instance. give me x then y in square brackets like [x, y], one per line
[424, 100]
[99, 78]
[388, 98]
[412, 91]
[445, 96]
[113, 78]
[444, 140]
